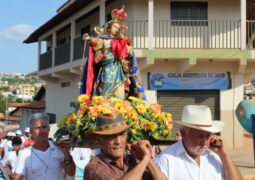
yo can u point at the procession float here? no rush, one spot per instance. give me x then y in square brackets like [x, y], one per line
[111, 82]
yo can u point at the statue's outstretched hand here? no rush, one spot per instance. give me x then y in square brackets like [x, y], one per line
[85, 36]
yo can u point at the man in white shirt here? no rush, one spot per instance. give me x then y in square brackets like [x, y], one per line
[8, 144]
[10, 158]
[44, 160]
[198, 156]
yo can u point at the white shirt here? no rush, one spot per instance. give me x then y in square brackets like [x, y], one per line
[38, 165]
[8, 146]
[81, 156]
[176, 164]
[23, 139]
[10, 160]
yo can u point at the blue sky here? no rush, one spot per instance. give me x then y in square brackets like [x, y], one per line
[19, 18]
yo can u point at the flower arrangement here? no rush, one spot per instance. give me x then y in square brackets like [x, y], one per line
[147, 121]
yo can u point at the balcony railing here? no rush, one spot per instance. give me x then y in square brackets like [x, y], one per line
[62, 54]
[45, 60]
[209, 34]
[79, 48]
[187, 34]
[250, 36]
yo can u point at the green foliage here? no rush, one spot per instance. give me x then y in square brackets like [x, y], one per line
[2, 104]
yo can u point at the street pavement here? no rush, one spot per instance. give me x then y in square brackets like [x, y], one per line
[244, 158]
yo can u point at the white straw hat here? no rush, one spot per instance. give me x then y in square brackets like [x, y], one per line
[27, 130]
[11, 134]
[18, 132]
[200, 117]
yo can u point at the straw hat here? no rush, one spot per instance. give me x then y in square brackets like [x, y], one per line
[109, 124]
[18, 132]
[11, 134]
[27, 130]
[200, 117]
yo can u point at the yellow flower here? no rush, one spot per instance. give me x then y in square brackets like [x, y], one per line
[70, 119]
[104, 110]
[133, 131]
[169, 127]
[97, 100]
[136, 125]
[114, 99]
[150, 126]
[78, 123]
[83, 98]
[156, 135]
[134, 99]
[132, 114]
[168, 116]
[165, 132]
[82, 110]
[153, 126]
[119, 106]
[141, 108]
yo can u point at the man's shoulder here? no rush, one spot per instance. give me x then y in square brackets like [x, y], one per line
[212, 156]
[95, 163]
[25, 151]
[95, 169]
[171, 150]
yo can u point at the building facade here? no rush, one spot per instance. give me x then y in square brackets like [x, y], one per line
[174, 38]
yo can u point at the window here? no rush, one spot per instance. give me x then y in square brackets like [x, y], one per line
[65, 84]
[189, 11]
[109, 17]
[52, 118]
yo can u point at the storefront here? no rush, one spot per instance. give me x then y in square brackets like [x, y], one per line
[175, 90]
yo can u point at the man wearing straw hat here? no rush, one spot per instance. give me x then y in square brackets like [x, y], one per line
[113, 162]
[199, 155]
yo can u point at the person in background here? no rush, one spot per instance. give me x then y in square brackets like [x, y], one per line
[198, 155]
[8, 145]
[18, 133]
[3, 139]
[81, 157]
[10, 158]
[43, 160]
[26, 136]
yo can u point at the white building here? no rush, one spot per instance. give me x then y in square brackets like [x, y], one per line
[173, 37]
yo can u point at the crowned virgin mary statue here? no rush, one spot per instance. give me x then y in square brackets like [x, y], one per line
[111, 68]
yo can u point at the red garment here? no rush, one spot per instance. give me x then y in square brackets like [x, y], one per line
[28, 142]
[119, 47]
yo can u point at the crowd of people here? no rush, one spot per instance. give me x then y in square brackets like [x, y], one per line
[197, 155]
[32, 155]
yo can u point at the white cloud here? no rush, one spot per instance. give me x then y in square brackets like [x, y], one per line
[17, 32]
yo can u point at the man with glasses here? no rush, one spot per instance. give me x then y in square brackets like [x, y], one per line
[199, 155]
[43, 160]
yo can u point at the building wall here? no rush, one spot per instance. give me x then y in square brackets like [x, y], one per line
[229, 99]
[92, 20]
[58, 98]
[217, 9]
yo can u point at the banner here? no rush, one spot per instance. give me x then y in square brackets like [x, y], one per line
[188, 81]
